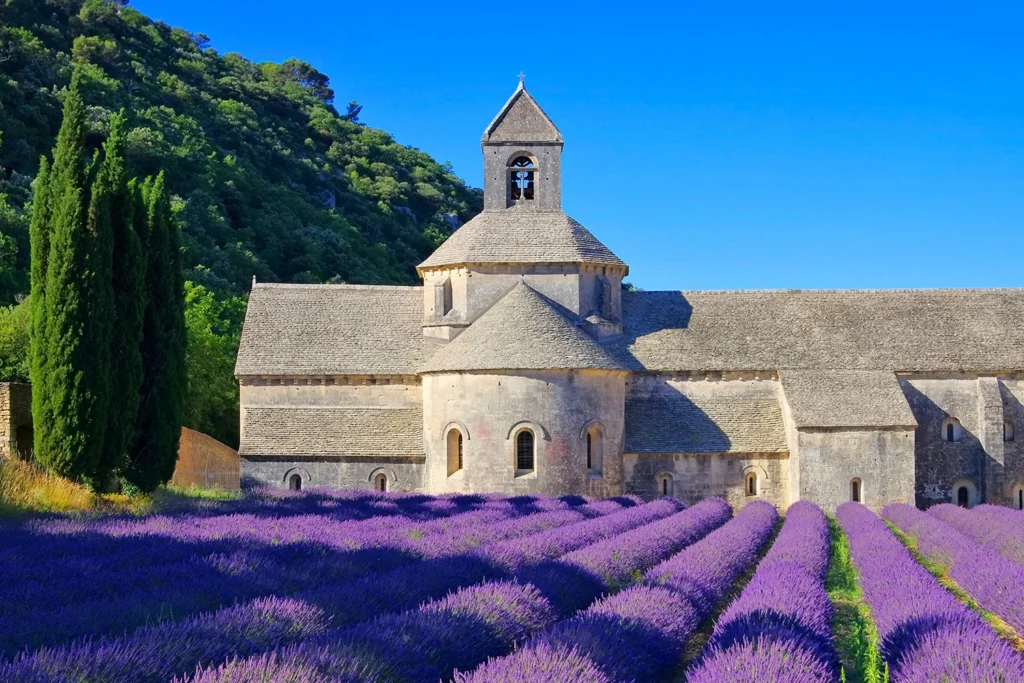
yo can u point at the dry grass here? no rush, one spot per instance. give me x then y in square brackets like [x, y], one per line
[26, 486]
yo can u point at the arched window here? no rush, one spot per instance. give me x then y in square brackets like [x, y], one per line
[454, 451]
[665, 484]
[1018, 497]
[595, 451]
[524, 452]
[521, 177]
[295, 482]
[951, 430]
[380, 482]
[855, 490]
[1007, 430]
[751, 483]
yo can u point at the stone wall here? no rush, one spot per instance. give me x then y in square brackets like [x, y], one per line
[695, 476]
[548, 175]
[15, 420]
[490, 408]
[403, 474]
[941, 463]
[882, 459]
[1012, 391]
[577, 288]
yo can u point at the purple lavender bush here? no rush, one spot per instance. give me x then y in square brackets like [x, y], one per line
[448, 569]
[996, 582]
[92, 598]
[577, 579]
[478, 622]
[156, 653]
[783, 615]
[640, 633]
[240, 627]
[420, 645]
[993, 526]
[926, 633]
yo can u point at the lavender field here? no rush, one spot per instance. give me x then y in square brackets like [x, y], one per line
[363, 586]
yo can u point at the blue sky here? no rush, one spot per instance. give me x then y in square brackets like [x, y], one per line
[713, 145]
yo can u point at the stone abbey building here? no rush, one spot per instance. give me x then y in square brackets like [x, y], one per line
[521, 366]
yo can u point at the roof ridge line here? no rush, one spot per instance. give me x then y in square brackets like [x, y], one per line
[290, 406]
[305, 285]
[782, 290]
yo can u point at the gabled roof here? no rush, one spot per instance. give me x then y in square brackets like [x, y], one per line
[332, 330]
[694, 419]
[522, 331]
[904, 330]
[522, 120]
[319, 431]
[846, 398]
[521, 236]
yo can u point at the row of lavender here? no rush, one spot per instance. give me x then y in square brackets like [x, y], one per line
[564, 556]
[264, 624]
[995, 581]
[485, 619]
[780, 627]
[779, 630]
[121, 586]
[130, 581]
[926, 633]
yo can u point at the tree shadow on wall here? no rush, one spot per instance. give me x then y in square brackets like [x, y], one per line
[950, 460]
[647, 313]
[668, 421]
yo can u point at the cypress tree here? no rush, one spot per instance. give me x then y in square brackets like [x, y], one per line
[61, 445]
[73, 336]
[39, 235]
[158, 426]
[97, 301]
[127, 220]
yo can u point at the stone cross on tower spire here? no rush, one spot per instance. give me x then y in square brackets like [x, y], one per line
[522, 80]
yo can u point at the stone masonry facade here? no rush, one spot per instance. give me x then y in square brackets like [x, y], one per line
[522, 366]
[15, 420]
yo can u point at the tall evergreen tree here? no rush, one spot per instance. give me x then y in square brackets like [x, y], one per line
[61, 445]
[97, 302]
[72, 344]
[158, 427]
[127, 220]
[39, 235]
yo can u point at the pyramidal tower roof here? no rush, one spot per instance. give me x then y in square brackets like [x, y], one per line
[522, 331]
[513, 236]
[522, 120]
[522, 221]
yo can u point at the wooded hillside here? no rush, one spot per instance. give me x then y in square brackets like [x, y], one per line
[268, 177]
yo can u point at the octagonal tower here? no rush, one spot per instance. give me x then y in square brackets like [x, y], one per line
[522, 234]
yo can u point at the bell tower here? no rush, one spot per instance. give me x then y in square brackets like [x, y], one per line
[522, 157]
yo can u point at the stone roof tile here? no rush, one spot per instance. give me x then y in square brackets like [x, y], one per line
[522, 331]
[920, 330]
[319, 431]
[521, 236]
[846, 398]
[332, 330]
[678, 420]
